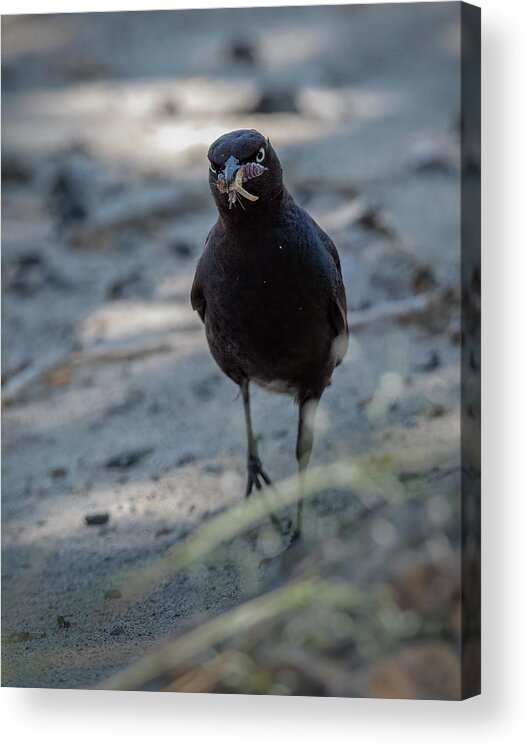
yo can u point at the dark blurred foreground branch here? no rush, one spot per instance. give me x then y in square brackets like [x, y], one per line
[367, 477]
[370, 477]
[299, 594]
[373, 483]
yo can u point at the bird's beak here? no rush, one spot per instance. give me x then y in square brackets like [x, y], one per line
[231, 166]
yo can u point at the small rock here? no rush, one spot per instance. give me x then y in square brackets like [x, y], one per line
[67, 196]
[29, 260]
[436, 411]
[128, 458]
[101, 518]
[423, 280]
[185, 459]
[113, 594]
[58, 472]
[181, 248]
[276, 102]
[117, 631]
[63, 622]
[243, 52]
[371, 219]
[433, 362]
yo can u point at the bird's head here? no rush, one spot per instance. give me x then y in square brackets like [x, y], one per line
[244, 172]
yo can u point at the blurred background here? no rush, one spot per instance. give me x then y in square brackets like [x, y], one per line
[123, 446]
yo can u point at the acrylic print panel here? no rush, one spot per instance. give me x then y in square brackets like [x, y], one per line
[131, 558]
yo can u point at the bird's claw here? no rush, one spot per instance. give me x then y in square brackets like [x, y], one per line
[255, 473]
[295, 537]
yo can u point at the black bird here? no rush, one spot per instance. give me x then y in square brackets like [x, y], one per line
[269, 290]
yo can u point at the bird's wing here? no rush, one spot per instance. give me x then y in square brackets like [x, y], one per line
[338, 303]
[197, 293]
[340, 296]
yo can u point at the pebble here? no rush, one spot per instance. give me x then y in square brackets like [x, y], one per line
[432, 363]
[100, 518]
[127, 459]
[181, 248]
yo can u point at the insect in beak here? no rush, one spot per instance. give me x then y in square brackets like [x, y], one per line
[241, 173]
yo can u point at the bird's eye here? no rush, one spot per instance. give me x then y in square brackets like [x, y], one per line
[261, 156]
[212, 167]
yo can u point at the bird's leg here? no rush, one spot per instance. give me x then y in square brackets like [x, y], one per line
[254, 465]
[255, 469]
[303, 451]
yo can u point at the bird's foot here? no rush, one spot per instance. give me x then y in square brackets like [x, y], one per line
[255, 473]
[295, 536]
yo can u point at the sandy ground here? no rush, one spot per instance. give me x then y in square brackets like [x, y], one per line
[112, 403]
